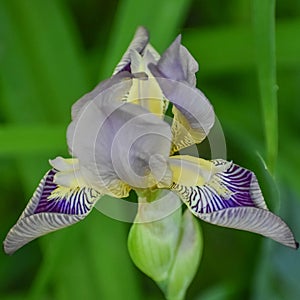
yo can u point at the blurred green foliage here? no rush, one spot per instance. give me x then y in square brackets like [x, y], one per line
[54, 51]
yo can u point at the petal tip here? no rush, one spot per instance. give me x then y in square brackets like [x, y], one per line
[44, 214]
[6, 248]
[142, 30]
[12, 242]
[178, 39]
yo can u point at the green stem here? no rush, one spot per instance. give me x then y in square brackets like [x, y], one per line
[264, 31]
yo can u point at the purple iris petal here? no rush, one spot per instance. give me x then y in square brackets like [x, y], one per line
[76, 202]
[79, 104]
[232, 198]
[242, 190]
[175, 73]
[255, 220]
[191, 103]
[117, 141]
[43, 215]
[177, 64]
[138, 44]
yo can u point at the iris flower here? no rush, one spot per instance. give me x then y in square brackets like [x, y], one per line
[119, 140]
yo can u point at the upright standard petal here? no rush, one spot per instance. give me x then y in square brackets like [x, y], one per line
[146, 93]
[178, 64]
[51, 207]
[230, 197]
[79, 104]
[138, 44]
[187, 132]
[120, 144]
[145, 90]
[193, 114]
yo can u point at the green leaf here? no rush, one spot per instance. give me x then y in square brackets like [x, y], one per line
[264, 32]
[18, 140]
[238, 48]
[161, 17]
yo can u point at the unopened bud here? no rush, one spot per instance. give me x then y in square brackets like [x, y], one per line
[152, 245]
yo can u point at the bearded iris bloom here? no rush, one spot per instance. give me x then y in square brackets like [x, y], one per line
[119, 140]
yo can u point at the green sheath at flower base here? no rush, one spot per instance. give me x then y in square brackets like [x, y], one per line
[187, 259]
[167, 250]
[152, 245]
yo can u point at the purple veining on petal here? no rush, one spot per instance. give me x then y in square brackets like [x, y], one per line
[127, 68]
[43, 215]
[243, 187]
[76, 202]
[46, 191]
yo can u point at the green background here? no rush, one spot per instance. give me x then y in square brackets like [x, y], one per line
[54, 51]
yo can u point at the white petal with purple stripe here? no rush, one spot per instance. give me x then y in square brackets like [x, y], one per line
[232, 198]
[51, 207]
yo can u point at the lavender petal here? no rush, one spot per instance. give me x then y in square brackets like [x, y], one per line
[117, 141]
[139, 42]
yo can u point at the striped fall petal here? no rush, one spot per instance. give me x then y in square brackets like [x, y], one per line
[51, 207]
[232, 198]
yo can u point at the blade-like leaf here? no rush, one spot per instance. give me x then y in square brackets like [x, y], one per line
[161, 17]
[264, 32]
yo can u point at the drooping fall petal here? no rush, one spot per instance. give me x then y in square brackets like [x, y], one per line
[231, 198]
[51, 207]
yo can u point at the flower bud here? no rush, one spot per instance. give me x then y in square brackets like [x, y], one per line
[166, 244]
[152, 244]
[187, 258]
